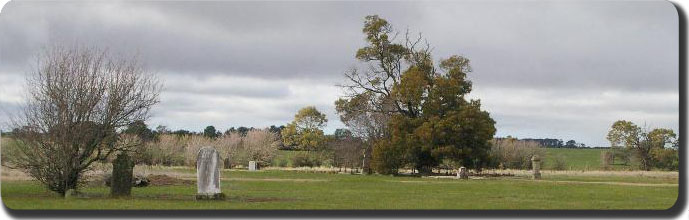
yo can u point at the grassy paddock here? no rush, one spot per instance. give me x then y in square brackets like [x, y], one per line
[582, 159]
[280, 189]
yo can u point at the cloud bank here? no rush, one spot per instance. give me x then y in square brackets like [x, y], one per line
[543, 69]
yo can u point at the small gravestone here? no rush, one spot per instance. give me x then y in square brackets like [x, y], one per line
[536, 164]
[462, 173]
[208, 174]
[252, 166]
[122, 172]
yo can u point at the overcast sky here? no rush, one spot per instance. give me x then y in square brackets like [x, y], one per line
[561, 69]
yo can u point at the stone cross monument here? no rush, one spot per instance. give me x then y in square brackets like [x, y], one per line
[536, 165]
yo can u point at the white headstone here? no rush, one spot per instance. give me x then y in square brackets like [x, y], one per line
[208, 172]
[462, 173]
[252, 166]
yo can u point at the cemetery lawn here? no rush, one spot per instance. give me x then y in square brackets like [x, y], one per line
[279, 189]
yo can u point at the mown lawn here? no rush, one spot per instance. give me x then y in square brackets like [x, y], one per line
[298, 190]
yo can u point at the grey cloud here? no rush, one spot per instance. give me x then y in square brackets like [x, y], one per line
[584, 116]
[195, 110]
[574, 44]
[226, 86]
[256, 63]
[8, 110]
[630, 45]
[257, 39]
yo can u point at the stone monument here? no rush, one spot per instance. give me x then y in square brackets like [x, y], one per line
[252, 166]
[122, 173]
[462, 173]
[536, 165]
[208, 174]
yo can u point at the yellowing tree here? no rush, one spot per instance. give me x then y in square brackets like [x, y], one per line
[648, 146]
[305, 132]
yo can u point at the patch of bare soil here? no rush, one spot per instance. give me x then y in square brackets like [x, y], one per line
[165, 180]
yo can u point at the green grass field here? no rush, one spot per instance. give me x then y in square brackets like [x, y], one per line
[575, 159]
[301, 190]
[582, 159]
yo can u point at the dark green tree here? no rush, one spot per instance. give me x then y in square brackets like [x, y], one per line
[571, 144]
[230, 130]
[210, 132]
[182, 132]
[243, 130]
[141, 130]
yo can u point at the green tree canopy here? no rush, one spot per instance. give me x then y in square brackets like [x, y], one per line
[429, 117]
[210, 132]
[648, 146]
[305, 132]
[141, 130]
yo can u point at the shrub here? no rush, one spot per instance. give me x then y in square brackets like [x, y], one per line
[195, 143]
[302, 159]
[346, 152]
[621, 156]
[229, 148]
[257, 145]
[666, 159]
[515, 154]
[280, 162]
[234, 149]
[312, 159]
[260, 146]
[168, 150]
[386, 159]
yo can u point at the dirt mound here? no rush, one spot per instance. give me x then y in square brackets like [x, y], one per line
[165, 180]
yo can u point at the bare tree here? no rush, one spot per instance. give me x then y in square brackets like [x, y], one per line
[348, 152]
[77, 101]
[261, 146]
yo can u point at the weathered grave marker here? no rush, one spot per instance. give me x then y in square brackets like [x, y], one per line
[252, 166]
[208, 174]
[122, 173]
[536, 165]
[462, 173]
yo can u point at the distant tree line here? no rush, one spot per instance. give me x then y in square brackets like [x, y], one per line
[552, 143]
[140, 129]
